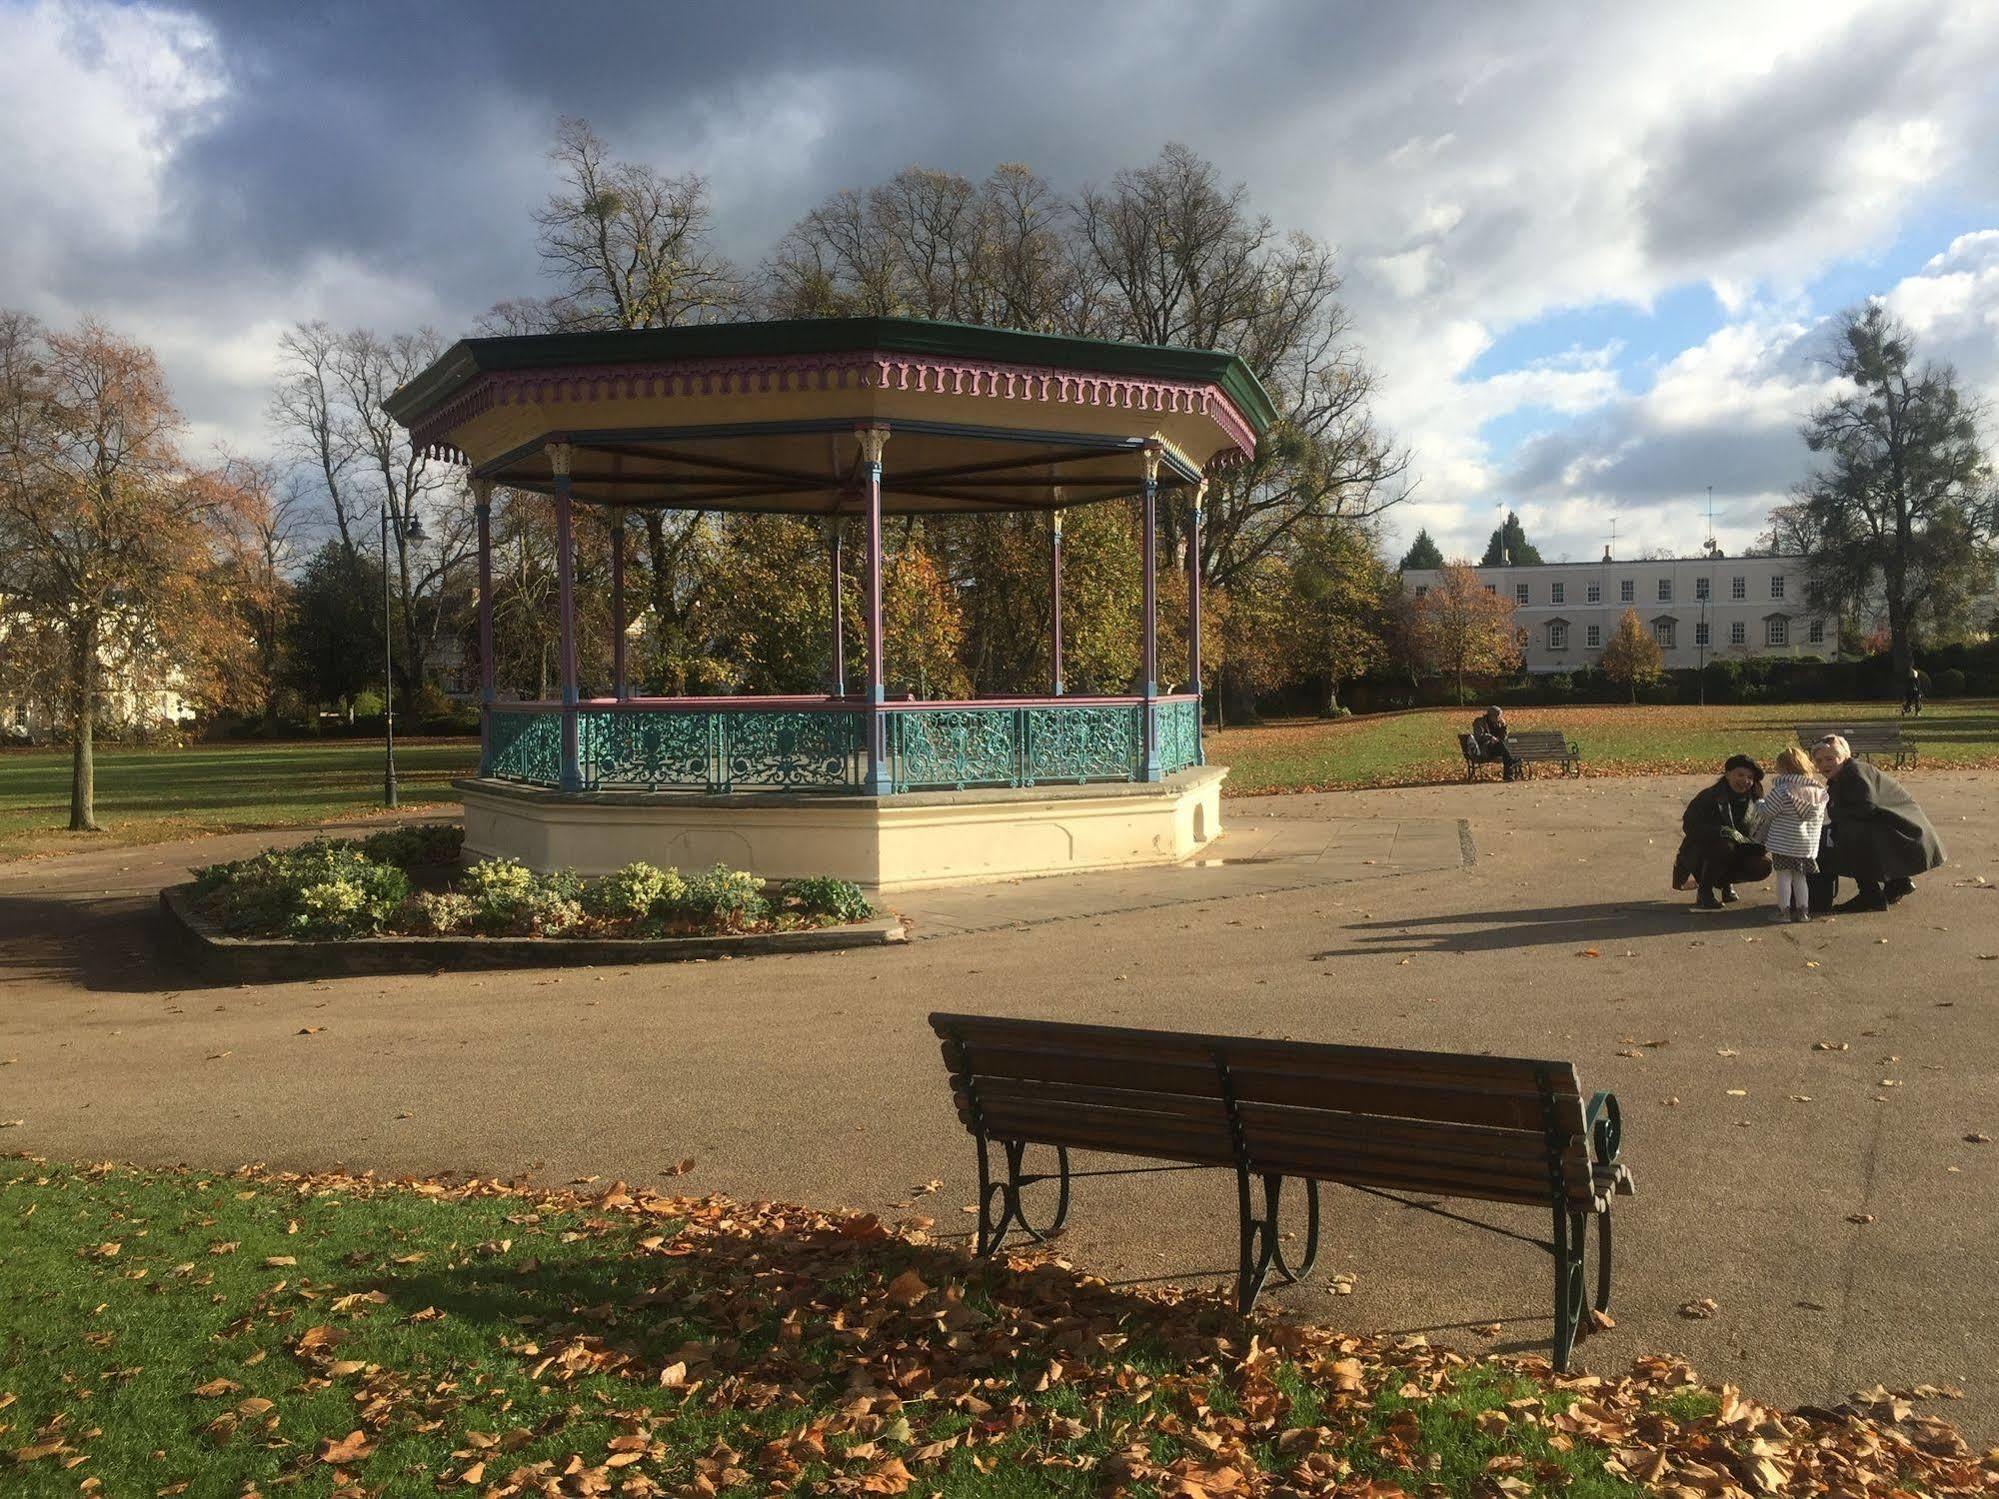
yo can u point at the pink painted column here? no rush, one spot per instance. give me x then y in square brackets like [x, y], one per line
[834, 576]
[1055, 599]
[1194, 593]
[565, 578]
[482, 510]
[878, 779]
[1149, 767]
[620, 684]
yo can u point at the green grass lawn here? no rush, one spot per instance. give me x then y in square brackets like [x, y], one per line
[174, 1333]
[1400, 749]
[149, 796]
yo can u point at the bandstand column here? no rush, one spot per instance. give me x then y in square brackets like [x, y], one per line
[878, 780]
[1055, 599]
[620, 684]
[833, 581]
[482, 510]
[1150, 769]
[565, 578]
[1194, 594]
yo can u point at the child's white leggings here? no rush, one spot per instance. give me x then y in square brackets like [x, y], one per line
[1792, 892]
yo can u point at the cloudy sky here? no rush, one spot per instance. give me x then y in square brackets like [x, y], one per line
[1589, 248]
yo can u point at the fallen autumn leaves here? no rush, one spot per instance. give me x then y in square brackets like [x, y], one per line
[697, 1345]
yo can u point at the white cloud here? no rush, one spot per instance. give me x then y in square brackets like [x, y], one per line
[94, 100]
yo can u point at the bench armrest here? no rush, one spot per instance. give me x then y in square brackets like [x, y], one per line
[1604, 1124]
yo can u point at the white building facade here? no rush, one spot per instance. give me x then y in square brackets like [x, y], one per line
[1699, 609]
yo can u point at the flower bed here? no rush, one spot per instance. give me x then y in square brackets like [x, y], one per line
[337, 889]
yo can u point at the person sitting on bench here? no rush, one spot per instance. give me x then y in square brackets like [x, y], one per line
[1488, 737]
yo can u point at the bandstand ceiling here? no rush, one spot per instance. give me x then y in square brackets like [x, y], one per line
[763, 416]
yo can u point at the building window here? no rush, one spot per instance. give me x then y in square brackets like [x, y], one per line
[1665, 590]
[1556, 592]
[1519, 593]
[1421, 589]
[1627, 591]
[1662, 631]
[1738, 633]
[1594, 593]
[1558, 635]
[1738, 588]
[1817, 632]
[1776, 630]
[1700, 634]
[1776, 585]
[1595, 636]
[1492, 588]
[1701, 590]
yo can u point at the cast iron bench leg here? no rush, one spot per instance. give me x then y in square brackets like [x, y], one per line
[1569, 1292]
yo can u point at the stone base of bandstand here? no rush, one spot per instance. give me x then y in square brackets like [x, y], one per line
[885, 843]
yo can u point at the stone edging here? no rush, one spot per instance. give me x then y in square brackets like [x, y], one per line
[196, 942]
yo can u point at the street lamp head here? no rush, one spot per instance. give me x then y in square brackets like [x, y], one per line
[414, 530]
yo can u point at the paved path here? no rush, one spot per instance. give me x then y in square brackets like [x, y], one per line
[813, 1077]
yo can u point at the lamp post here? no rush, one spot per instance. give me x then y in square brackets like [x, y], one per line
[411, 530]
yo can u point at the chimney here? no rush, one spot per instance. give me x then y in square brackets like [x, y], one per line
[1606, 554]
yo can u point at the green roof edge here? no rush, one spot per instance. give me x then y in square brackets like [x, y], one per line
[469, 358]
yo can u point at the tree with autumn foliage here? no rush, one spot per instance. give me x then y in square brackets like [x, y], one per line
[1463, 628]
[107, 535]
[1632, 657]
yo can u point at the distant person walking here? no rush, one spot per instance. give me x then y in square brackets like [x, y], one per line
[1877, 837]
[1488, 737]
[1789, 822]
[1912, 694]
[1717, 850]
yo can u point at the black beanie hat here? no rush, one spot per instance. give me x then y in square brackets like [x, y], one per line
[1743, 762]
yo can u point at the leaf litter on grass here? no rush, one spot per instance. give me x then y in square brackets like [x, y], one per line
[630, 1343]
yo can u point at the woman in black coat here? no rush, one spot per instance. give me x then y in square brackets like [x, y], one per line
[1716, 850]
[1876, 836]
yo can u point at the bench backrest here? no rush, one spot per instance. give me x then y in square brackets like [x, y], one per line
[1864, 739]
[1500, 1129]
[1538, 742]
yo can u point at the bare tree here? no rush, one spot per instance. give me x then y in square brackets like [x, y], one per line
[306, 410]
[630, 245]
[259, 527]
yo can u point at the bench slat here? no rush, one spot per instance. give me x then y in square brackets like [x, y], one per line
[1067, 1038]
[1101, 1129]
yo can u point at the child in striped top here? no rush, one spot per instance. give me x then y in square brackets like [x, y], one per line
[1789, 822]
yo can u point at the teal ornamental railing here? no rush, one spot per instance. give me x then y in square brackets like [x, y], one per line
[720, 745]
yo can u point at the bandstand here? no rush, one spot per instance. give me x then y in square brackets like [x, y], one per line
[841, 419]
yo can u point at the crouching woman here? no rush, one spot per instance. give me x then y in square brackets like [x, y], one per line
[1879, 837]
[1717, 850]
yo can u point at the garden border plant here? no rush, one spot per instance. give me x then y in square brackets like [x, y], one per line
[391, 902]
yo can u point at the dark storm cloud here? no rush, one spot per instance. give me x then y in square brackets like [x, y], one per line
[412, 136]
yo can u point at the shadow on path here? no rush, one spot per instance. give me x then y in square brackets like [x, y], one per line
[1548, 926]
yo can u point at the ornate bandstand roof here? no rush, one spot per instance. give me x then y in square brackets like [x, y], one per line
[761, 416]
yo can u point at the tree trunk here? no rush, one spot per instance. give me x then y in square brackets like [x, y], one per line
[83, 723]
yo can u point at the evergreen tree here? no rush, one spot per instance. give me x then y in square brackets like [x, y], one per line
[1422, 554]
[1509, 544]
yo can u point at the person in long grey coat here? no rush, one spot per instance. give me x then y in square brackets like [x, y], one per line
[1878, 837]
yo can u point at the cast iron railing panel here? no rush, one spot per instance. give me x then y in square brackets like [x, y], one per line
[526, 746]
[1093, 742]
[1179, 735]
[952, 748]
[653, 751]
[788, 751]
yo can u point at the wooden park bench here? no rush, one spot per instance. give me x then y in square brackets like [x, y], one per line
[1874, 739]
[1530, 747]
[1436, 1124]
